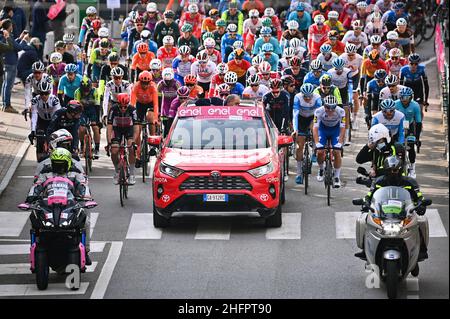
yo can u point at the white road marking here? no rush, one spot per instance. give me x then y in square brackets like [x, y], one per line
[24, 269]
[23, 249]
[290, 229]
[346, 224]
[17, 159]
[94, 217]
[429, 61]
[32, 290]
[412, 285]
[437, 228]
[107, 271]
[12, 223]
[213, 231]
[141, 227]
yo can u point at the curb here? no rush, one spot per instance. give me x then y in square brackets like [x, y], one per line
[12, 169]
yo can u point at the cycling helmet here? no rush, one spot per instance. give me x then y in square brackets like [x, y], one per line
[117, 71]
[295, 43]
[104, 43]
[86, 84]
[238, 44]
[96, 24]
[168, 39]
[307, 89]
[376, 16]
[287, 79]
[213, 12]
[375, 39]
[193, 8]
[380, 74]
[184, 49]
[330, 102]
[325, 48]
[232, 27]
[167, 74]
[103, 32]
[267, 47]
[222, 68]
[44, 86]
[269, 12]
[338, 63]
[221, 23]
[352, 2]
[266, 22]
[152, 7]
[70, 68]
[123, 99]
[387, 105]
[202, 56]
[357, 24]
[398, 6]
[378, 132]
[316, 65]
[265, 31]
[401, 22]
[56, 57]
[190, 79]
[292, 25]
[333, 15]
[253, 79]
[319, 19]
[61, 138]
[211, 43]
[61, 160]
[374, 55]
[38, 67]
[406, 92]
[253, 13]
[186, 28]
[257, 60]
[392, 35]
[295, 61]
[325, 80]
[169, 14]
[392, 165]
[391, 79]
[145, 76]
[142, 47]
[395, 52]
[183, 91]
[361, 5]
[91, 10]
[145, 34]
[133, 15]
[139, 20]
[68, 38]
[333, 34]
[230, 77]
[74, 106]
[265, 67]
[275, 83]
[350, 48]
[155, 64]
[414, 58]
[288, 52]
[323, 6]
[113, 57]
[239, 53]
[207, 35]
[223, 89]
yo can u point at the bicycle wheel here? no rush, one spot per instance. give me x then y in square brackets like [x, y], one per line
[144, 161]
[87, 152]
[306, 165]
[429, 26]
[122, 181]
[328, 179]
[287, 161]
[421, 29]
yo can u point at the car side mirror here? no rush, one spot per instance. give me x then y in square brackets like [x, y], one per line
[23, 206]
[90, 204]
[358, 201]
[285, 141]
[154, 140]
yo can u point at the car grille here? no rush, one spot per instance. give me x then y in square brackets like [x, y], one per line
[209, 183]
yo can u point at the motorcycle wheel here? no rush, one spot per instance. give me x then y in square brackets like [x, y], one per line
[41, 270]
[391, 278]
[74, 259]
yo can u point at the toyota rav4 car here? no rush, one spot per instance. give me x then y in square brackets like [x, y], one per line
[220, 159]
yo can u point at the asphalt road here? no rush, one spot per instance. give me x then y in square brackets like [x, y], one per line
[311, 256]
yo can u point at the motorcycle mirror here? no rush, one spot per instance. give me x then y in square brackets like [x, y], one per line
[90, 205]
[24, 206]
[363, 181]
[362, 170]
[427, 202]
[358, 201]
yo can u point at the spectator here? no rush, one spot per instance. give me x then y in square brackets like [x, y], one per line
[232, 100]
[67, 57]
[58, 22]
[40, 22]
[5, 46]
[10, 61]
[17, 15]
[27, 59]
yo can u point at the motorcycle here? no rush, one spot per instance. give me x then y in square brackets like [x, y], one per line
[391, 232]
[58, 236]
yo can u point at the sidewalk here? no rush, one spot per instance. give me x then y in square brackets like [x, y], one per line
[13, 138]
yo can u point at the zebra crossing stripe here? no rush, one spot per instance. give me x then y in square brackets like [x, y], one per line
[437, 228]
[94, 217]
[290, 229]
[32, 290]
[24, 269]
[141, 227]
[12, 223]
[23, 249]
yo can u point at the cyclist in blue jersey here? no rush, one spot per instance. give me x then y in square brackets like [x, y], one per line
[231, 79]
[392, 119]
[68, 83]
[226, 44]
[372, 94]
[315, 74]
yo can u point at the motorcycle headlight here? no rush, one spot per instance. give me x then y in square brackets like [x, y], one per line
[262, 170]
[170, 170]
[392, 229]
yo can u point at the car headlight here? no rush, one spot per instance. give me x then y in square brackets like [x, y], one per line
[170, 170]
[262, 170]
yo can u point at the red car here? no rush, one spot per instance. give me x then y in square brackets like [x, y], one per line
[220, 159]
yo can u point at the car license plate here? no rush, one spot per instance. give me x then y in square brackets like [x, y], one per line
[215, 197]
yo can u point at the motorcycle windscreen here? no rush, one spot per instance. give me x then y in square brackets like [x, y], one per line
[392, 203]
[58, 191]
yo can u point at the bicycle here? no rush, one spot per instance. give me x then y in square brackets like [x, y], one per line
[40, 137]
[88, 147]
[144, 148]
[307, 162]
[328, 171]
[287, 152]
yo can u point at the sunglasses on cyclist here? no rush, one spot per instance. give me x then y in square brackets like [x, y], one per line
[388, 112]
[392, 86]
[117, 77]
[394, 58]
[190, 84]
[414, 63]
[145, 83]
[254, 85]
[139, 24]
[276, 92]
[44, 93]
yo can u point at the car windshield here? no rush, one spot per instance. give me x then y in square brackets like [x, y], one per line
[392, 202]
[223, 134]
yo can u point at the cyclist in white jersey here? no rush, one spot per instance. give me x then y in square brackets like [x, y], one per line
[392, 89]
[326, 56]
[254, 90]
[114, 88]
[203, 69]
